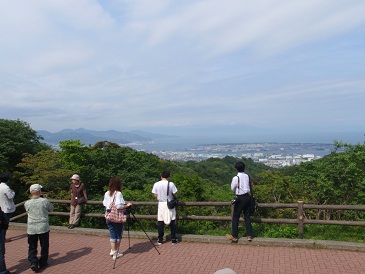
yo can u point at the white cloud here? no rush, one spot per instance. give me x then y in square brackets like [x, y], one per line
[121, 64]
[271, 25]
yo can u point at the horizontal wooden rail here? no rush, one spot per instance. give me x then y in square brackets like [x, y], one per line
[334, 222]
[335, 207]
[300, 207]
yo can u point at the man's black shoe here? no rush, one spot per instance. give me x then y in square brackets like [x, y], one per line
[34, 267]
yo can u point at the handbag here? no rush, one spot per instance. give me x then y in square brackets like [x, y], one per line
[81, 200]
[174, 202]
[115, 215]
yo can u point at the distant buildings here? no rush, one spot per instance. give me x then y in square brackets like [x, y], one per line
[270, 154]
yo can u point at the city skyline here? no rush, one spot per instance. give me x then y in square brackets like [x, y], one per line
[189, 68]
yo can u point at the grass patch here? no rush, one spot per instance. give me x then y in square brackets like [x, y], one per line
[335, 233]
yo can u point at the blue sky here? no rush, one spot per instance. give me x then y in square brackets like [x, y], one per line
[184, 66]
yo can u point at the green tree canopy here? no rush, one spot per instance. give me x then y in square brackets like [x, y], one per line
[17, 138]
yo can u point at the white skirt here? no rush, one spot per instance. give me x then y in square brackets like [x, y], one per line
[165, 214]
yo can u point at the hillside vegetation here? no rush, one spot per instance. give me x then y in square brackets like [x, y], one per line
[338, 178]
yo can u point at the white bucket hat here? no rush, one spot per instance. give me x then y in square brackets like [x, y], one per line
[75, 177]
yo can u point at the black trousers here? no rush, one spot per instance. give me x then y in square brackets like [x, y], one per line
[241, 206]
[161, 228]
[32, 250]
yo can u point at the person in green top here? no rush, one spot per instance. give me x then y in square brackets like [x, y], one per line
[37, 209]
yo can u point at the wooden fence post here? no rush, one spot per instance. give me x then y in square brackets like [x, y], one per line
[300, 217]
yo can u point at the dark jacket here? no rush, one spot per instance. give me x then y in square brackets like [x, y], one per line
[77, 191]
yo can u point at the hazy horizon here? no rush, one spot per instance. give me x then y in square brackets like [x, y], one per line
[253, 137]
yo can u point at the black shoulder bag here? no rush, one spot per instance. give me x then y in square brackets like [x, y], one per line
[174, 202]
[253, 204]
[4, 223]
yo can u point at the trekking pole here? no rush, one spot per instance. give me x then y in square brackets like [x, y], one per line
[177, 217]
[144, 231]
[129, 239]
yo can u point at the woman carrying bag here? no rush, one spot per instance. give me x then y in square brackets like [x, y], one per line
[114, 201]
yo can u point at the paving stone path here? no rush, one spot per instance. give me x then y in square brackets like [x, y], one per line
[79, 253]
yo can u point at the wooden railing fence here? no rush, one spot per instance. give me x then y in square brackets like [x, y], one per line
[299, 207]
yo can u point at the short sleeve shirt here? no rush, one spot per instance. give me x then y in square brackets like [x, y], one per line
[37, 210]
[160, 188]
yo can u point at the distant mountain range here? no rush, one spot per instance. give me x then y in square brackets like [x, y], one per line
[90, 137]
[226, 134]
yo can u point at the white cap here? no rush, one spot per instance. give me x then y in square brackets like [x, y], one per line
[75, 177]
[35, 188]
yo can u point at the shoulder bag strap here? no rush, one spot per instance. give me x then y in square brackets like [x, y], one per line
[113, 199]
[168, 187]
[250, 184]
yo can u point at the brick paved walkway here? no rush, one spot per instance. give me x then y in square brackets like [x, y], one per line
[76, 253]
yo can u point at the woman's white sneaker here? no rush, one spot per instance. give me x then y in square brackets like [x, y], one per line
[117, 255]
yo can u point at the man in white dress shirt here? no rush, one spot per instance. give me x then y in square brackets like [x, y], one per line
[164, 214]
[6, 197]
[240, 185]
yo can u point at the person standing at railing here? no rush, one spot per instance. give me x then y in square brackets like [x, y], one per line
[6, 198]
[114, 195]
[240, 185]
[37, 209]
[164, 214]
[78, 198]
[4, 224]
